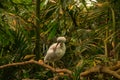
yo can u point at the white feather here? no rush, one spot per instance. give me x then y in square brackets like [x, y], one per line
[55, 52]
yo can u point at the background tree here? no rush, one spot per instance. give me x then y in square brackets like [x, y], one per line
[28, 27]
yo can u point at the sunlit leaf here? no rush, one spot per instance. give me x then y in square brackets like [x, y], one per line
[60, 11]
[29, 56]
[14, 22]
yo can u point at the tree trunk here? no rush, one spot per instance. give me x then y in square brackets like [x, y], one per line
[37, 30]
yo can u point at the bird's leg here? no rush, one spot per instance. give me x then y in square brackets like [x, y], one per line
[53, 64]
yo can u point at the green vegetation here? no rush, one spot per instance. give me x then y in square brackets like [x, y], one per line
[92, 30]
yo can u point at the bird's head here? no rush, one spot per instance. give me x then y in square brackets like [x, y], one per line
[61, 39]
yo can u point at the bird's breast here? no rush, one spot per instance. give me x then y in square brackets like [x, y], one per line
[60, 50]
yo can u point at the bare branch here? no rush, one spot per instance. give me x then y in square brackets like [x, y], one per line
[40, 62]
[114, 70]
[109, 70]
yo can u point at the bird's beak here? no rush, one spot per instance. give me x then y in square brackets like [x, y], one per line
[56, 45]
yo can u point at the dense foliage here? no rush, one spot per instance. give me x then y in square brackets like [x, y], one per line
[91, 28]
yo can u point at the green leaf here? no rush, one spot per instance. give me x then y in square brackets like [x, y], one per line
[53, 31]
[50, 12]
[22, 1]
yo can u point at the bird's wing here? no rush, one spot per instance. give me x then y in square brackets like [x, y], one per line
[50, 56]
[52, 46]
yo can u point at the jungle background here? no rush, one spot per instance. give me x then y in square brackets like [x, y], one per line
[29, 27]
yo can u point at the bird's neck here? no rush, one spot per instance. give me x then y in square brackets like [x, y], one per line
[62, 45]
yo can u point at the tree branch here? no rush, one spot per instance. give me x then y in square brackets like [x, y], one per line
[114, 70]
[109, 70]
[40, 62]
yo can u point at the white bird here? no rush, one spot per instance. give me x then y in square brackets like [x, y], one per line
[56, 51]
